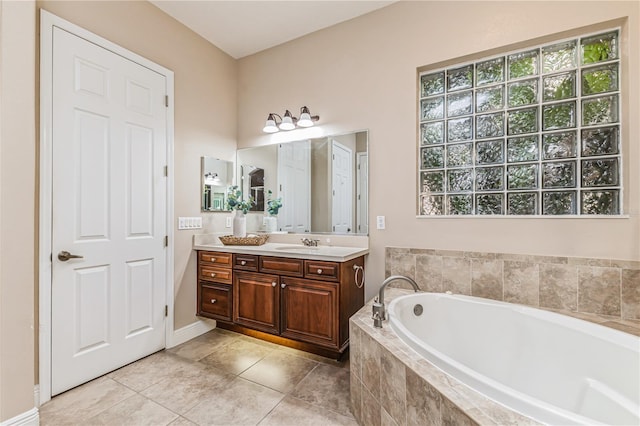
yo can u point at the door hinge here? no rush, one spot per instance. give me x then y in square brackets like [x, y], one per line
[166, 101]
[166, 171]
[166, 241]
[166, 310]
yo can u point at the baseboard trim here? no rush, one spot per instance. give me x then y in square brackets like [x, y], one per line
[191, 331]
[28, 418]
[36, 395]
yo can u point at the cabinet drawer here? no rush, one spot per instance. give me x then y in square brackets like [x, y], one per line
[215, 301]
[215, 258]
[245, 262]
[212, 273]
[282, 266]
[319, 270]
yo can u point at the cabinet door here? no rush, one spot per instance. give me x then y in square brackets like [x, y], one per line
[256, 301]
[310, 311]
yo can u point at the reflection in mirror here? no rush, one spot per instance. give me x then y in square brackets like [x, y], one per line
[323, 183]
[217, 175]
[253, 185]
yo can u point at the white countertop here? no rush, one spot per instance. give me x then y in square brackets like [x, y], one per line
[296, 251]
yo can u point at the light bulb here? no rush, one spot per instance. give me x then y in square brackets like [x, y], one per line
[270, 125]
[305, 120]
[287, 121]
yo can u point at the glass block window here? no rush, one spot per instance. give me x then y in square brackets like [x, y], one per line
[533, 132]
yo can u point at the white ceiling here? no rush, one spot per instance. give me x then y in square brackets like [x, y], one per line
[242, 28]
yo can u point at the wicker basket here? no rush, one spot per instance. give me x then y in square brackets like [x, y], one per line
[254, 240]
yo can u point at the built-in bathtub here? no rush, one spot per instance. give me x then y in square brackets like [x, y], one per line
[550, 367]
[544, 367]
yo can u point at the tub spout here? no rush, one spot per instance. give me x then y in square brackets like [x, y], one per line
[379, 313]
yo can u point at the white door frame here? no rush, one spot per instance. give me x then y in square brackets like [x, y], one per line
[362, 163]
[47, 22]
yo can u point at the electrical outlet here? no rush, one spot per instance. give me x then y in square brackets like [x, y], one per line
[229, 222]
[380, 222]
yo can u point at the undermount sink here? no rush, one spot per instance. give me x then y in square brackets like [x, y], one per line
[296, 248]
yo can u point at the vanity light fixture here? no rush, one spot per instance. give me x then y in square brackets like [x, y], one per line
[275, 122]
[212, 179]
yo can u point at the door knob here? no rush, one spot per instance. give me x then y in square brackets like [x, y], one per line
[65, 255]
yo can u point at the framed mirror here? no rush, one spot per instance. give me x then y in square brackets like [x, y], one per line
[217, 176]
[322, 184]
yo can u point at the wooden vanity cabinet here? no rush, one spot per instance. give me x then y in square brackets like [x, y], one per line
[300, 303]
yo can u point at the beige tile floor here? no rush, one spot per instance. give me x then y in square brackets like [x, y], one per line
[219, 378]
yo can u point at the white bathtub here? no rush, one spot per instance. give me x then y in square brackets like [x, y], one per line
[550, 367]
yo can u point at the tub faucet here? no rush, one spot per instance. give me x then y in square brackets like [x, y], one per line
[379, 312]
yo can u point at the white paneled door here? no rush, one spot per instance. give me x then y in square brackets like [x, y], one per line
[294, 186]
[342, 188]
[109, 196]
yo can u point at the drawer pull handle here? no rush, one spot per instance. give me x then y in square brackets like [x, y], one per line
[243, 262]
[213, 301]
[273, 284]
[212, 260]
[319, 271]
[283, 285]
[213, 275]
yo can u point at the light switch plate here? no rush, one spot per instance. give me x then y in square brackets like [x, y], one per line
[380, 222]
[189, 222]
[229, 222]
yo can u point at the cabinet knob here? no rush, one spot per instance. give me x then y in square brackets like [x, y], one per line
[319, 271]
[283, 285]
[213, 300]
[213, 274]
[212, 260]
[273, 284]
[243, 262]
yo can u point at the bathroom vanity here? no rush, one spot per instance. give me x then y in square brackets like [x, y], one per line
[293, 295]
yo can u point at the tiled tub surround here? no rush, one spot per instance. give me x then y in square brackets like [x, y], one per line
[391, 384]
[581, 287]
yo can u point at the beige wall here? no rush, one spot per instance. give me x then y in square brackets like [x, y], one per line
[362, 74]
[17, 205]
[205, 108]
[205, 124]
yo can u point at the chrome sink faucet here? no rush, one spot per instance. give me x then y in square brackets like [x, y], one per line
[308, 242]
[379, 312]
